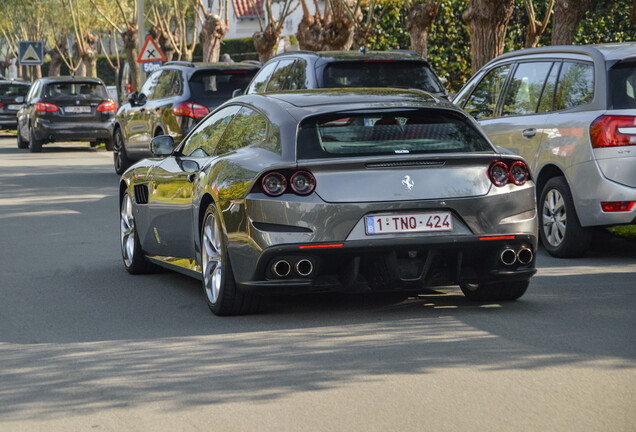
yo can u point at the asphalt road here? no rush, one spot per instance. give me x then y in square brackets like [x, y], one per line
[86, 346]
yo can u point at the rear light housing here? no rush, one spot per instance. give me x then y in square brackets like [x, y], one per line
[45, 107]
[190, 109]
[613, 131]
[109, 105]
[513, 171]
[276, 183]
[617, 206]
[1, 105]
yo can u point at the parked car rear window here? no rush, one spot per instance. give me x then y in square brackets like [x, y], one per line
[387, 133]
[622, 78]
[219, 83]
[79, 89]
[388, 73]
[13, 90]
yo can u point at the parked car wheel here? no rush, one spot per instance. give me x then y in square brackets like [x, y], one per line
[560, 230]
[22, 143]
[130, 247]
[109, 144]
[499, 291]
[221, 293]
[120, 157]
[35, 145]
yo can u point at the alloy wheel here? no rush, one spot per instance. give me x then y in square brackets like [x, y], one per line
[127, 231]
[117, 149]
[554, 218]
[212, 259]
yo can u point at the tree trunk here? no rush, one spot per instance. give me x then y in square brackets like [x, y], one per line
[89, 55]
[419, 21]
[310, 34]
[487, 23]
[163, 40]
[339, 30]
[213, 31]
[25, 73]
[567, 16]
[634, 13]
[36, 72]
[55, 66]
[266, 41]
[129, 37]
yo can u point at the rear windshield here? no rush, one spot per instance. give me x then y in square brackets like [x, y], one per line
[388, 133]
[381, 74]
[219, 84]
[13, 90]
[622, 78]
[75, 89]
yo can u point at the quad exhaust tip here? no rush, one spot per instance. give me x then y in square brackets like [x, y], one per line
[281, 268]
[508, 257]
[304, 267]
[524, 256]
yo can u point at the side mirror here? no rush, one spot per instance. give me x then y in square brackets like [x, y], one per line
[237, 92]
[132, 98]
[19, 99]
[162, 146]
[141, 99]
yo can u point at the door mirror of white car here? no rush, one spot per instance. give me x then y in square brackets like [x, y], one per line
[237, 92]
[162, 146]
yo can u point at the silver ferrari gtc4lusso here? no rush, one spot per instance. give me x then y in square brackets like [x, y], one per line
[332, 190]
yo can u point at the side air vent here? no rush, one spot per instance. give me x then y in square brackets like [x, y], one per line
[141, 193]
[404, 164]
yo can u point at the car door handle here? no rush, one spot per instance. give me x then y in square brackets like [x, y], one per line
[529, 133]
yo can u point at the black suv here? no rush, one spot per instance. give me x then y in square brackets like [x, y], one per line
[65, 109]
[334, 69]
[12, 95]
[173, 99]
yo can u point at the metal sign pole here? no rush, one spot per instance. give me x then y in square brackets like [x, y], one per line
[141, 34]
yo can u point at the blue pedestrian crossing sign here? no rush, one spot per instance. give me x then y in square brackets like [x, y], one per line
[31, 53]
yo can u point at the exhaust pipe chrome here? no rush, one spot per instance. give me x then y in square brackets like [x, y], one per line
[508, 257]
[281, 268]
[304, 267]
[525, 255]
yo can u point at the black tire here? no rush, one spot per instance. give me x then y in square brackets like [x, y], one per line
[35, 145]
[120, 157]
[498, 291]
[22, 143]
[133, 257]
[109, 144]
[559, 227]
[229, 300]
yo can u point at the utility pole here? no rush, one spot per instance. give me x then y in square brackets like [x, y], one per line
[141, 35]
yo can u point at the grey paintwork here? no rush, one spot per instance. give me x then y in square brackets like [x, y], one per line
[562, 139]
[181, 188]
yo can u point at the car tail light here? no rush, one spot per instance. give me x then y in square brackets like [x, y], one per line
[1, 105]
[518, 173]
[45, 107]
[109, 105]
[515, 172]
[302, 182]
[617, 206]
[190, 109]
[613, 130]
[274, 184]
[498, 173]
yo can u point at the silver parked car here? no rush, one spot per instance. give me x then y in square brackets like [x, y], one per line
[570, 111]
[336, 190]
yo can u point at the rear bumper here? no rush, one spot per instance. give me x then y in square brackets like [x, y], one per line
[85, 131]
[393, 265]
[8, 121]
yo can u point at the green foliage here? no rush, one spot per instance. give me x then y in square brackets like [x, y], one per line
[606, 21]
[389, 31]
[104, 71]
[239, 49]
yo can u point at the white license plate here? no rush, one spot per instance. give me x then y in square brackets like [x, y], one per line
[78, 109]
[408, 223]
[14, 107]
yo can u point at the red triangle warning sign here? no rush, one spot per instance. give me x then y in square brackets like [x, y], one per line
[150, 52]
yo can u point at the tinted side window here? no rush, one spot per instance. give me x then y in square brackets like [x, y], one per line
[176, 88]
[202, 141]
[35, 89]
[483, 101]
[575, 87]
[280, 75]
[622, 78]
[248, 127]
[545, 104]
[525, 88]
[149, 86]
[164, 84]
[260, 80]
[298, 78]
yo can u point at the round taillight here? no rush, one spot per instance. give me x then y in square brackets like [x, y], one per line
[302, 182]
[518, 173]
[274, 184]
[498, 173]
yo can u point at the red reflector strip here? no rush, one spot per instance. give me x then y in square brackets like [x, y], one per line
[617, 206]
[321, 246]
[502, 237]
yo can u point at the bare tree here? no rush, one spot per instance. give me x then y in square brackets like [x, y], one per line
[214, 27]
[310, 33]
[420, 17]
[536, 27]
[268, 38]
[487, 23]
[567, 16]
